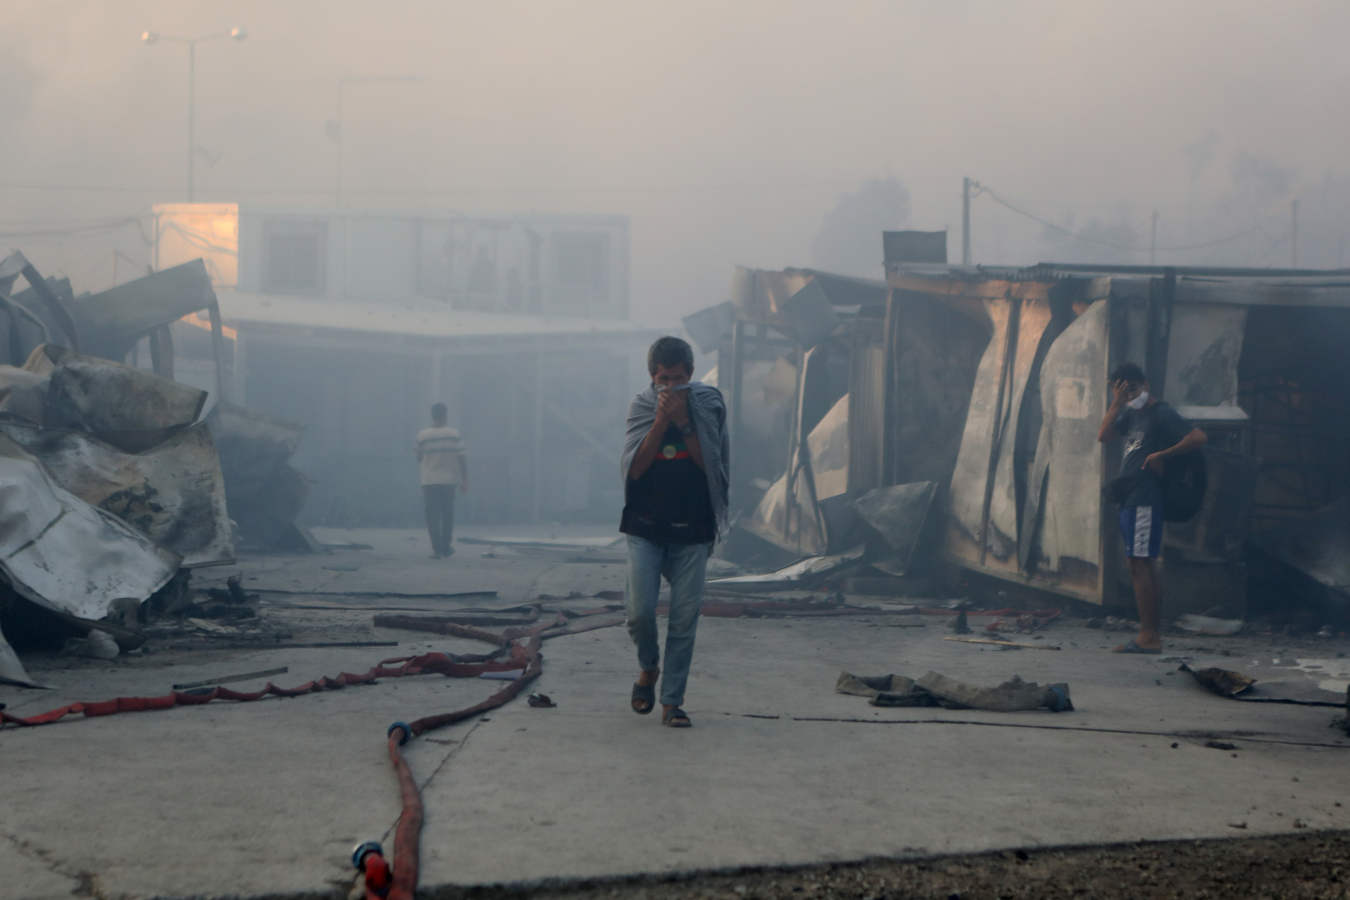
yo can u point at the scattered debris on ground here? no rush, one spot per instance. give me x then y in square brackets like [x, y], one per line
[804, 573]
[230, 679]
[1002, 643]
[1210, 625]
[1224, 682]
[1113, 623]
[936, 689]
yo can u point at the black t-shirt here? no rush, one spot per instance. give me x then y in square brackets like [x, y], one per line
[1147, 431]
[669, 504]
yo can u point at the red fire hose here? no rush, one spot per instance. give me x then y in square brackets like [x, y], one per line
[400, 882]
[369, 857]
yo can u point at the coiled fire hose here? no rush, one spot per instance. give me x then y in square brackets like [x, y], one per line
[381, 880]
[399, 882]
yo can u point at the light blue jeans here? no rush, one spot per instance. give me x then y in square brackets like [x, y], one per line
[684, 566]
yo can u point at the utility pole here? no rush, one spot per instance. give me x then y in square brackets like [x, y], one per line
[1293, 234]
[192, 119]
[151, 37]
[965, 221]
[341, 141]
[1153, 241]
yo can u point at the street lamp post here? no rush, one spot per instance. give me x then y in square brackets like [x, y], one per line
[338, 134]
[151, 37]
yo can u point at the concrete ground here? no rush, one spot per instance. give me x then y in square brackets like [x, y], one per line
[268, 798]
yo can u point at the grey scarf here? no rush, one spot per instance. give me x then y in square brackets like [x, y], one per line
[708, 413]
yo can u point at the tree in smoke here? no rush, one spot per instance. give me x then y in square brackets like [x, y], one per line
[1253, 207]
[849, 239]
[1260, 192]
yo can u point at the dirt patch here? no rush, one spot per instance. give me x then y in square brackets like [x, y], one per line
[1294, 866]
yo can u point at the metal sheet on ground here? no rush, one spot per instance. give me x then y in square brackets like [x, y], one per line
[60, 552]
[898, 514]
[173, 493]
[799, 573]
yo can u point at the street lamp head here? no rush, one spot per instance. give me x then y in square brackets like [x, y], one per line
[149, 37]
[238, 34]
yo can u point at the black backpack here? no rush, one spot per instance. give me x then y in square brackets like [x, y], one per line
[1185, 481]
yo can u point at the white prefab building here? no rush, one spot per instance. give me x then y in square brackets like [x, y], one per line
[565, 265]
[352, 323]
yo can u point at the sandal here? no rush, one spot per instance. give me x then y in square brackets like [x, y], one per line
[1131, 647]
[675, 718]
[644, 697]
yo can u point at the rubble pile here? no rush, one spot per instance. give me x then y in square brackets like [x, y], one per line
[112, 486]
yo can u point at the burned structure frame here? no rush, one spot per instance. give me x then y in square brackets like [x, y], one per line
[989, 384]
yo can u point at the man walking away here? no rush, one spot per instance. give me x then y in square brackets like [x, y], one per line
[441, 457]
[675, 473]
[1153, 433]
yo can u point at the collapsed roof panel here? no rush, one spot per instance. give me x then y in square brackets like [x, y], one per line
[709, 326]
[809, 315]
[115, 319]
[129, 408]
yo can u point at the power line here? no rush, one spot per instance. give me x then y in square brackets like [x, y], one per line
[397, 190]
[72, 229]
[1087, 239]
[81, 188]
[199, 240]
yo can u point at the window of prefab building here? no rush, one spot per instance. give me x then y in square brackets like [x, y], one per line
[581, 265]
[435, 259]
[293, 256]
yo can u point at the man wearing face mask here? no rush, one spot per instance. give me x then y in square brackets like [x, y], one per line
[675, 475]
[1153, 433]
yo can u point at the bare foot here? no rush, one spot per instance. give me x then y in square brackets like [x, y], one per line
[1140, 644]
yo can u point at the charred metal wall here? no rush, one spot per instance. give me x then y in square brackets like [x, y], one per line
[1295, 384]
[998, 388]
[933, 351]
[867, 407]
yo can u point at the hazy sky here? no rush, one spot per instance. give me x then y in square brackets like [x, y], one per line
[724, 130]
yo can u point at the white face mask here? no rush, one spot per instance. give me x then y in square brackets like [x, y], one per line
[1138, 402]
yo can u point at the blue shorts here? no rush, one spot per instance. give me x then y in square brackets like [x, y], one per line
[1142, 527]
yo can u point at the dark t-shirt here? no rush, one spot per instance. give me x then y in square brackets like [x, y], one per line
[669, 504]
[1147, 431]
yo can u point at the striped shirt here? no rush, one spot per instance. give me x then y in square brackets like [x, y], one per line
[441, 451]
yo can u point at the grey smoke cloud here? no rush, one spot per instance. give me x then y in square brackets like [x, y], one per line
[727, 131]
